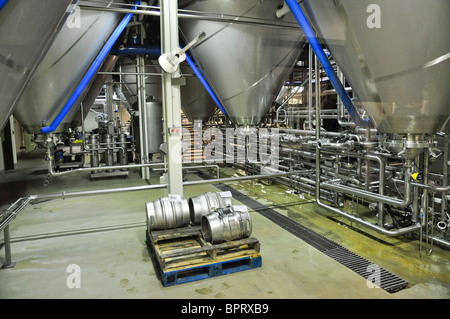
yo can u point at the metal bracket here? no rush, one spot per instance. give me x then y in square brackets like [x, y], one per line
[180, 81]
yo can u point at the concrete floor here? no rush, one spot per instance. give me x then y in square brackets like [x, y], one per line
[105, 236]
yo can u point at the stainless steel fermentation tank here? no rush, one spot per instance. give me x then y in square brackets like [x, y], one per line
[25, 37]
[196, 103]
[246, 64]
[195, 100]
[62, 68]
[153, 86]
[396, 57]
[154, 124]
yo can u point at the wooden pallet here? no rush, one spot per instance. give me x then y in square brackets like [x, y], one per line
[182, 255]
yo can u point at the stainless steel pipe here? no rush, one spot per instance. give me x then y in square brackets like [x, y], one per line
[189, 14]
[64, 194]
[226, 224]
[368, 195]
[95, 160]
[167, 213]
[204, 204]
[123, 150]
[357, 192]
[109, 153]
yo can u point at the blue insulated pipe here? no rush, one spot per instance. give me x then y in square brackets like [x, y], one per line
[203, 81]
[90, 73]
[2, 3]
[151, 51]
[318, 51]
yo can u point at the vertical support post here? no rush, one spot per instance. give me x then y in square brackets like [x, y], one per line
[8, 259]
[367, 177]
[83, 128]
[109, 106]
[317, 88]
[317, 121]
[445, 178]
[310, 92]
[425, 201]
[171, 99]
[143, 123]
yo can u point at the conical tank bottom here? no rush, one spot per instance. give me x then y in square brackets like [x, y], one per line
[395, 55]
[25, 37]
[246, 64]
[62, 68]
[196, 103]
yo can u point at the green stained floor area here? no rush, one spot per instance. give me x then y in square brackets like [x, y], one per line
[406, 256]
[105, 236]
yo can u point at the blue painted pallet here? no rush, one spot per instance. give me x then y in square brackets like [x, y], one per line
[200, 261]
[181, 276]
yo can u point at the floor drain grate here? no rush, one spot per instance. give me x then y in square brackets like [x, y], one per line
[383, 278]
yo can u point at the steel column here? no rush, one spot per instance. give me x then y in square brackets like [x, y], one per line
[171, 99]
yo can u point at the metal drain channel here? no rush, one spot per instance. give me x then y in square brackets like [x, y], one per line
[370, 271]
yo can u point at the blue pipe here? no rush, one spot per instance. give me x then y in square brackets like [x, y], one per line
[203, 81]
[90, 73]
[2, 3]
[318, 51]
[151, 51]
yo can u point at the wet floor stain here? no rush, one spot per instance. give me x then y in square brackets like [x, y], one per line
[225, 285]
[204, 291]
[402, 255]
[30, 247]
[125, 283]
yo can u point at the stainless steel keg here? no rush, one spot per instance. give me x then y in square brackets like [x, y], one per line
[167, 212]
[206, 203]
[226, 224]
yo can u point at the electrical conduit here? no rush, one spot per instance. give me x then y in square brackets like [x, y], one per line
[90, 73]
[318, 51]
